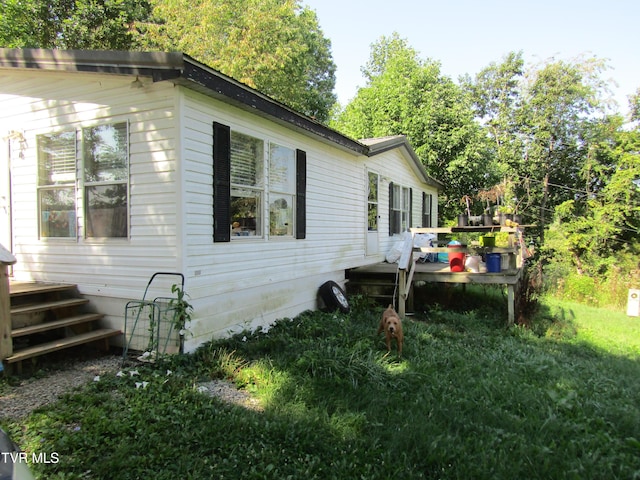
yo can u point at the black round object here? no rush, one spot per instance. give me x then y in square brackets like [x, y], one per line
[334, 297]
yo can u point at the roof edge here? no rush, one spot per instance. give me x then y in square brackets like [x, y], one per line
[384, 144]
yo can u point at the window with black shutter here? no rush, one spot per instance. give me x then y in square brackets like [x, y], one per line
[257, 175]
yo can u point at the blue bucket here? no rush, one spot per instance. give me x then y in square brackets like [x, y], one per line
[494, 262]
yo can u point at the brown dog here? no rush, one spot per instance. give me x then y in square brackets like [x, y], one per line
[391, 324]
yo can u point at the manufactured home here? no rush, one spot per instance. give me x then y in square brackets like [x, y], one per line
[118, 165]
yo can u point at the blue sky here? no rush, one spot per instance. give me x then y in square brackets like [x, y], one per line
[466, 35]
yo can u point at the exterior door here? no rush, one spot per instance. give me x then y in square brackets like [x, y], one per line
[5, 195]
[373, 214]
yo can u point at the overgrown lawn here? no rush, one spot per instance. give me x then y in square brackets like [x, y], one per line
[469, 399]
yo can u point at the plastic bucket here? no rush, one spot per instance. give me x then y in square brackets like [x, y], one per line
[494, 262]
[456, 259]
[487, 241]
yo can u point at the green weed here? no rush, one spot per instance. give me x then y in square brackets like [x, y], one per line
[470, 398]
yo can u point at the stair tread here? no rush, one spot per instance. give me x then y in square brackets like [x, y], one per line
[30, 288]
[62, 343]
[65, 322]
[43, 306]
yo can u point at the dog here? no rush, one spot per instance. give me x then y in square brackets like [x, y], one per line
[391, 324]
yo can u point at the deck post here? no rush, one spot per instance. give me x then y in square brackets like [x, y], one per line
[404, 281]
[402, 285]
[6, 344]
[511, 309]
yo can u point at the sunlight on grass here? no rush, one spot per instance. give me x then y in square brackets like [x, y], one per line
[605, 330]
[468, 399]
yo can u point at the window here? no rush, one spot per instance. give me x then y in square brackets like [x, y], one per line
[105, 179]
[106, 175]
[57, 184]
[427, 201]
[251, 174]
[282, 189]
[399, 208]
[372, 202]
[247, 184]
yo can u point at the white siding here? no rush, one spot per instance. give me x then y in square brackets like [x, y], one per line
[48, 102]
[233, 285]
[393, 167]
[261, 279]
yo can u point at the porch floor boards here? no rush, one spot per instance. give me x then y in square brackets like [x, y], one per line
[440, 272]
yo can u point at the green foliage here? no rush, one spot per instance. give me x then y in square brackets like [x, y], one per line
[275, 46]
[75, 24]
[469, 399]
[406, 95]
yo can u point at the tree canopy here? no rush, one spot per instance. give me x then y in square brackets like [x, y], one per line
[406, 95]
[275, 46]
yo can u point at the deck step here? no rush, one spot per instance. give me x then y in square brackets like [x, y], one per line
[65, 322]
[17, 289]
[44, 306]
[63, 343]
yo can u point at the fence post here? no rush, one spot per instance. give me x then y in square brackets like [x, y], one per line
[6, 344]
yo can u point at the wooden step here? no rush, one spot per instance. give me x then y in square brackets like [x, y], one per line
[65, 322]
[63, 343]
[44, 306]
[17, 289]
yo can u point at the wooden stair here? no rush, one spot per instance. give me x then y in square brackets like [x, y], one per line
[379, 286]
[50, 317]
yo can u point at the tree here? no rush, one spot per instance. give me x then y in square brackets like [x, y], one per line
[275, 46]
[560, 101]
[634, 104]
[406, 95]
[72, 24]
[594, 228]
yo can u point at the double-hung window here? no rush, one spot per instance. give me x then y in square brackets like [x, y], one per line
[399, 208]
[104, 181]
[247, 184]
[282, 190]
[258, 187]
[427, 203]
[57, 184]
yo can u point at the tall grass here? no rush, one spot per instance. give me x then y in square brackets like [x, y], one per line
[470, 398]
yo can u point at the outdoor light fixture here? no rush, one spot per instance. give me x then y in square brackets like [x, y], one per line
[137, 83]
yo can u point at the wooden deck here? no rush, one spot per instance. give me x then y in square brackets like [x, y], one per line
[441, 273]
[408, 270]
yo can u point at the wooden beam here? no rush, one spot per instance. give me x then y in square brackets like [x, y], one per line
[6, 344]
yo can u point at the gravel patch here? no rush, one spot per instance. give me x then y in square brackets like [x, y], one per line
[20, 400]
[32, 393]
[227, 392]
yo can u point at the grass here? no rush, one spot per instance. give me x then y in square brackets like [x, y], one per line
[469, 399]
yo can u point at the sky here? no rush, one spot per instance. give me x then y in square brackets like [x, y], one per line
[466, 36]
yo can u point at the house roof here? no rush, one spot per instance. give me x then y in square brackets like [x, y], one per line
[380, 145]
[182, 69]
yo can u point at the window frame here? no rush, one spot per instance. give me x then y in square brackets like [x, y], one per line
[85, 184]
[51, 186]
[400, 208]
[295, 191]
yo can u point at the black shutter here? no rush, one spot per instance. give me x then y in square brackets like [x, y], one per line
[221, 183]
[301, 194]
[410, 208]
[391, 216]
